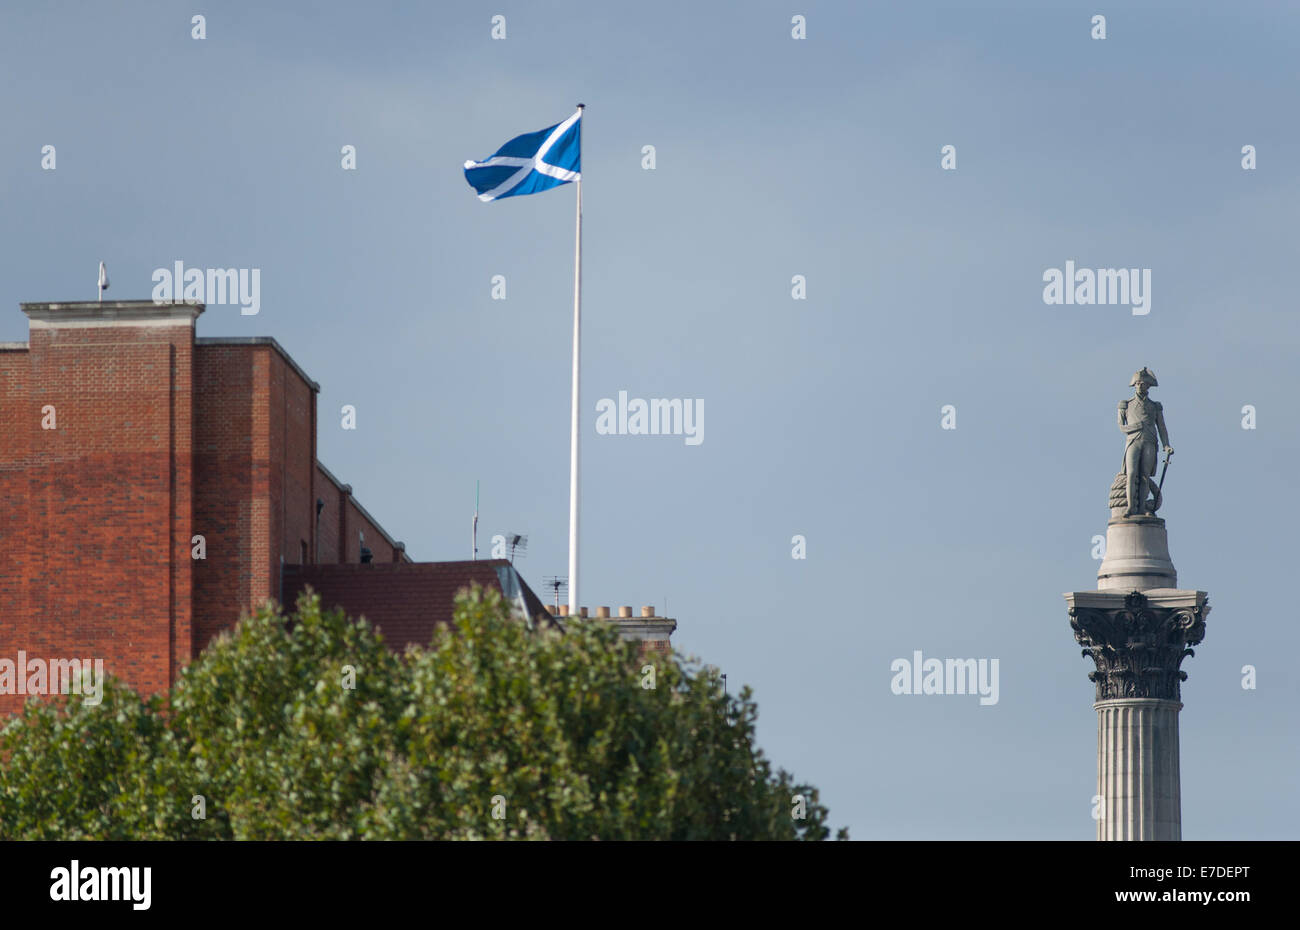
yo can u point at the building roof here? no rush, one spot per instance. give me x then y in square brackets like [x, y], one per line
[407, 601]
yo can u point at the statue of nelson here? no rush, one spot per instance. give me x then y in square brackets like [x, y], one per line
[1141, 419]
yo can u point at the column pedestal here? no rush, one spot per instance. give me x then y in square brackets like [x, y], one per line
[1137, 556]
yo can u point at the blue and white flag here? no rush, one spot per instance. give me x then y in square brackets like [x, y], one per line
[531, 163]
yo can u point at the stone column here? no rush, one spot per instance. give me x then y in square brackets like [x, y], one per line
[1138, 641]
[1137, 769]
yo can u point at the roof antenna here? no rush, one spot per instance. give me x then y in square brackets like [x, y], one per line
[516, 543]
[103, 281]
[555, 583]
[474, 533]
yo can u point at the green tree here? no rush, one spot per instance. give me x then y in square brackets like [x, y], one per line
[80, 771]
[283, 726]
[309, 727]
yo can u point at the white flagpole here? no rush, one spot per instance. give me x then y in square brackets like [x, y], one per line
[574, 600]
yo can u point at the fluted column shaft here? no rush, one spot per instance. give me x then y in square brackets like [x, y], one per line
[1137, 769]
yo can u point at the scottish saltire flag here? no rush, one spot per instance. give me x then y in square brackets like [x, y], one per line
[531, 163]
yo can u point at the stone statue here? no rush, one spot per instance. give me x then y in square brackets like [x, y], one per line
[1142, 420]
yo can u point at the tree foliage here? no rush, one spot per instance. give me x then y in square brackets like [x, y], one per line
[309, 727]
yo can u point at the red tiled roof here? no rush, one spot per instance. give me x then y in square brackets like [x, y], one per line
[407, 601]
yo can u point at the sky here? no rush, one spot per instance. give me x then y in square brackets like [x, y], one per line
[923, 288]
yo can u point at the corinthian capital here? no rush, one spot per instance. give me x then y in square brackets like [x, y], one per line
[1138, 647]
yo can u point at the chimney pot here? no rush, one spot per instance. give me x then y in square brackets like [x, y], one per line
[564, 610]
[582, 611]
[602, 611]
[647, 611]
[625, 611]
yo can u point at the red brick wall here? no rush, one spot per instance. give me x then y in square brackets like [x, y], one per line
[105, 492]
[230, 510]
[257, 467]
[341, 523]
[375, 542]
[15, 428]
[328, 538]
[182, 501]
[158, 439]
[293, 407]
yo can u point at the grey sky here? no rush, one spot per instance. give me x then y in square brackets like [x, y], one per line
[775, 157]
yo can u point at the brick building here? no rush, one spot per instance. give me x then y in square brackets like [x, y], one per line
[128, 446]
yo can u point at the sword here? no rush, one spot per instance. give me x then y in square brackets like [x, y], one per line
[1161, 485]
